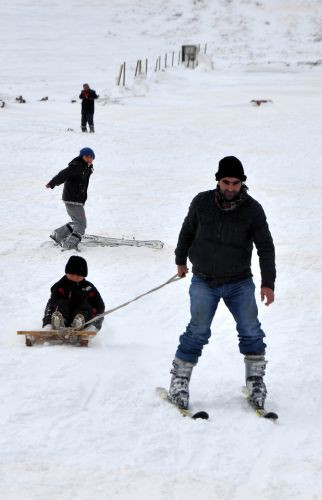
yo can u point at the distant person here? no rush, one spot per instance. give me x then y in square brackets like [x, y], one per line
[75, 179]
[217, 235]
[73, 300]
[88, 96]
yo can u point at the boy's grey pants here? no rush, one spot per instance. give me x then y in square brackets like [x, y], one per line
[77, 214]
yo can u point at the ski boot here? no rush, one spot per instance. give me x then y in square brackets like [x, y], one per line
[59, 234]
[91, 129]
[78, 322]
[255, 370]
[179, 385]
[57, 321]
[72, 241]
[84, 129]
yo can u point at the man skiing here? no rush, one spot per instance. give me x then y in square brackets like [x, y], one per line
[73, 300]
[75, 178]
[218, 235]
[88, 96]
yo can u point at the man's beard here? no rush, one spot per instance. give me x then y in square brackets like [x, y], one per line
[229, 196]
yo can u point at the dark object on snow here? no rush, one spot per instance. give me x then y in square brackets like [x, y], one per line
[73, 100]
[258, 102]
[189, 54]
[44, 99]
[20, 99]
[2, 103]
[70, 130]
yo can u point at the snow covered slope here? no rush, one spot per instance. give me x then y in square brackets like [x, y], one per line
[85, 424]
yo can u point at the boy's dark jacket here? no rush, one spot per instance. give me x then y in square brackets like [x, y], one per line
[219, 244]
[75, 178]
[75, 297]
[88, 102]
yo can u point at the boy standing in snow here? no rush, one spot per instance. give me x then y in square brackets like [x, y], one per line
[73, 300]
[75, 178]
[218, 235]
[87, 95]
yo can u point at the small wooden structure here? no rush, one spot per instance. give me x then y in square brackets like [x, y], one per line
[65, 335]
[189, 55]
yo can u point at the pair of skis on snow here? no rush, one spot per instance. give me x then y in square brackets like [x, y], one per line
[260, 412]
[92, 240]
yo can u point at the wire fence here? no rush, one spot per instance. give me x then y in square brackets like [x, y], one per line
[168, 60]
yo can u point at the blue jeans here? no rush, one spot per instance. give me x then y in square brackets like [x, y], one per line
[239, 297]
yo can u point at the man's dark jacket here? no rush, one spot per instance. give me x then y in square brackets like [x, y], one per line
[220, 243]
[75, 178]
[88, 102]
[71, 298]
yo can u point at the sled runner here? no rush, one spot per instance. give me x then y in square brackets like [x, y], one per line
[66, 335]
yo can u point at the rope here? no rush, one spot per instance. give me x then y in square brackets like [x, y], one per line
[109, 311]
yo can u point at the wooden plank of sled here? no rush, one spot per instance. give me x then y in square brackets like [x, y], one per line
[34, 335]
[50, 333]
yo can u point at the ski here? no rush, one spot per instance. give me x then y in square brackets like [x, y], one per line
[91, 240]
[163, 393]
[260, 412]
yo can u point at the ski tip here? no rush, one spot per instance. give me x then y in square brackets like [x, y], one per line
[200, 414]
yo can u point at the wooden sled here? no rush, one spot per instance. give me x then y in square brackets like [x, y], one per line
[67, 335]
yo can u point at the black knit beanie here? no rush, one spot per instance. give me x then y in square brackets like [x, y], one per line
[230, 166]
[76, 265]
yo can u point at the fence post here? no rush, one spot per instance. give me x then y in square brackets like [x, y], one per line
[205, 48]
[159, 63]
[179, 58]
[120, 75]
[172, 58]
[146, 67]
[124, 74]
[165, 60]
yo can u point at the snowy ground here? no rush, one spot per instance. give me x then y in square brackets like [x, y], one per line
[85, 424]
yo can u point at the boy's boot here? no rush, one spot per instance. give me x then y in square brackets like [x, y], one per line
[72, 241]
[179, 385]
[91, 129]
[84, 129]
[255, 370]
[78, 322]
[57, 321]
[59, 234]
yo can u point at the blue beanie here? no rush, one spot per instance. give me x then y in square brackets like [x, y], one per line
[87, 151]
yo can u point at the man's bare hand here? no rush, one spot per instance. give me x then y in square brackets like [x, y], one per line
[182, 271]
[267, 293]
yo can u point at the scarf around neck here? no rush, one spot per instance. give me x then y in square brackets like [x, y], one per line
[229, 206]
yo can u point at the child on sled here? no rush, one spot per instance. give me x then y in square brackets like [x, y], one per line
[73, 300]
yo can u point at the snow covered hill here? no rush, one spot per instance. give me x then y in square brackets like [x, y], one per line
[85, 424]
